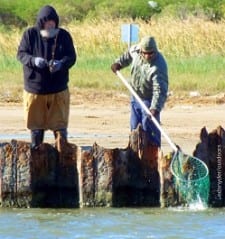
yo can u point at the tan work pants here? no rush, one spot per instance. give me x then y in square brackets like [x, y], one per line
[50, 111]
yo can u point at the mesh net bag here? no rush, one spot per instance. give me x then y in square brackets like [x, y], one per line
[191, 178]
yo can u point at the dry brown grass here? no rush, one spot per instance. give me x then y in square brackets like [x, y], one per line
[175, 37]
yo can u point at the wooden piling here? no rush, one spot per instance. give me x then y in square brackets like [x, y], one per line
[65, 175]
[211, 149]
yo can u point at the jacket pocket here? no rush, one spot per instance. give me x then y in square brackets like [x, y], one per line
[29, 73]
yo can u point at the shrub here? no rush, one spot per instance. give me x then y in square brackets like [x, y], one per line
[22, 13]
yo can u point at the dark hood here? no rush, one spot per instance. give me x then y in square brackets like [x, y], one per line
[45, 14]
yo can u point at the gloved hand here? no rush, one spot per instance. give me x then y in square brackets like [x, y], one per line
[115, 67]
[55, 65]
[154, 112]
[40, 62]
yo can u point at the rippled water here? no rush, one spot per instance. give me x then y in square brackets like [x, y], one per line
[70, 136]
[117, 223]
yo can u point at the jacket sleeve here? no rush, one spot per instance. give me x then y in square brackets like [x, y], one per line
[160, 88]
[24, 53]
[125, 59]
[69, 58]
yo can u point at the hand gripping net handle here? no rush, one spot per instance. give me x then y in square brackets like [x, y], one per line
[173, 146]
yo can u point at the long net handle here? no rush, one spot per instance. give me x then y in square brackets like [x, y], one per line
[173, 146]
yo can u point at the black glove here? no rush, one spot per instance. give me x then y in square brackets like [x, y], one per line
[115, 67]
[55, 65]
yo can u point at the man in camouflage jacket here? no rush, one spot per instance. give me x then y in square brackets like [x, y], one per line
[149, 78]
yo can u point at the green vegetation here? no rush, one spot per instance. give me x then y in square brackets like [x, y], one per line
[23, 12]
[205, 74]
[192, 43]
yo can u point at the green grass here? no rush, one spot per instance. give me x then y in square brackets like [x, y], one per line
[205, 74]
[95, 72]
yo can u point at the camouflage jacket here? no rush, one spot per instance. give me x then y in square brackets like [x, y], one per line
[149, 80]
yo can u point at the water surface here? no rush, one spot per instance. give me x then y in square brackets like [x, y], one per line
[115, 223]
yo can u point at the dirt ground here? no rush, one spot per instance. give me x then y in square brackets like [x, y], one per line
[104, 118]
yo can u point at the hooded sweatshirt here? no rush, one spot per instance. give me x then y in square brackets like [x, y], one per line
[59, 47]
[148, 79]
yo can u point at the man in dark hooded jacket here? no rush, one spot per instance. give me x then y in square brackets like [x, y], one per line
[47, 53]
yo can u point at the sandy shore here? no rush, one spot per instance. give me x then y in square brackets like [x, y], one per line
[107, 122]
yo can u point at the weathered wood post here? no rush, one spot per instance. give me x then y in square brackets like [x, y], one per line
[96, 176]
[169, 195]
[67, 173]
[211, 150]
[43, 174]
[121, 177]
[37, 178]
[15, 175]
[54, 176]
[147, 155]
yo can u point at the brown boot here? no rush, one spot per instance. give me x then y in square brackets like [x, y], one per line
[60, 139]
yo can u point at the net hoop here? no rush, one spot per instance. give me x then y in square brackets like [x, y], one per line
[192, 180]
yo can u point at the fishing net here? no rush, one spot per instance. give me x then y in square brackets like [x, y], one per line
[191, 178]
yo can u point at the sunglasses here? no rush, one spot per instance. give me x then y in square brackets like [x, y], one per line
[147, 52]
